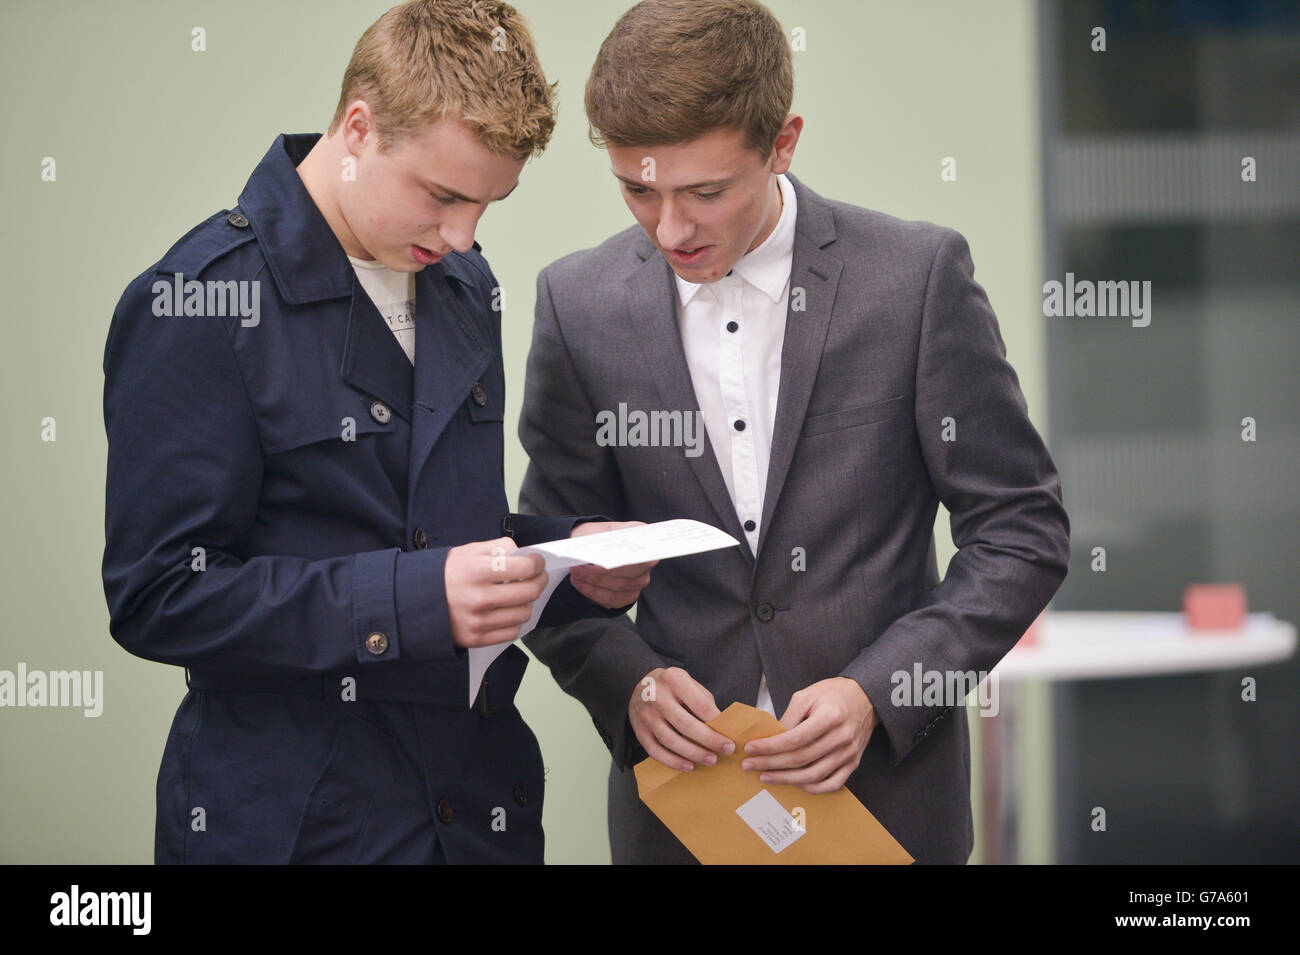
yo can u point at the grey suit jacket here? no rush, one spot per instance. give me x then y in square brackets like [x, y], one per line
[895, 394]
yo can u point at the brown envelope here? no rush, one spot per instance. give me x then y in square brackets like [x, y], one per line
[700, 808]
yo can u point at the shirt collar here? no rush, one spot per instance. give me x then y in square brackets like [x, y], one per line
[766, 268]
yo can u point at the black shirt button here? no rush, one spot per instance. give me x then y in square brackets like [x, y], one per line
[420, 538]
[444, 810]
[479, 394]
[732, 326]
[739, 425]
[750, 525]
[765, 612]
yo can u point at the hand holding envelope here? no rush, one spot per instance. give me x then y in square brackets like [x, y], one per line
[724, 815]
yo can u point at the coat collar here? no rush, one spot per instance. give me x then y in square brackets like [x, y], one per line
[302, 252]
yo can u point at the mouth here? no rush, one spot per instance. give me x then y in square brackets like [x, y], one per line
[689, 256]
[424, 256]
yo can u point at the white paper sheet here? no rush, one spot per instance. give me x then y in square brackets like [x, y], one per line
[770, 821]
[633, 545]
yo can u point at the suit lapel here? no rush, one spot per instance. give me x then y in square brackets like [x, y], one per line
[652, 309]
[817, 273]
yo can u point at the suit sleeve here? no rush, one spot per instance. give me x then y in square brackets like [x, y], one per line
[1001, 489]
[184, 477]
[599, 662]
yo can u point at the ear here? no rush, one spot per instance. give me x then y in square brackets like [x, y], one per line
[786, 140]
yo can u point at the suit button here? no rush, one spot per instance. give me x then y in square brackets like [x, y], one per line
[238, 220]
[420, 538]
[750, 525]
[379, 411]
[479, 394]
[377, 644]
[765, 612]
[444, 810]
[521, 794]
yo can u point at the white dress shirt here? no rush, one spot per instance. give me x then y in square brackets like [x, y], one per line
[732, 331]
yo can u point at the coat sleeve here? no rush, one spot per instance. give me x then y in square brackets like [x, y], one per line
[1000, 486]
[599, 662]
[184, 477]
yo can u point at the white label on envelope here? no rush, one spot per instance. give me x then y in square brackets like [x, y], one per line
[770, 821]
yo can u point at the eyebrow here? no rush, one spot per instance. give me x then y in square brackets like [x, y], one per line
[695, 185]
[456, 195]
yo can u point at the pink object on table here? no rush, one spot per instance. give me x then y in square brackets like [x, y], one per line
[1215, 606]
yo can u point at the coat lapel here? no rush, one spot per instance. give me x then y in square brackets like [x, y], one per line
[817, 273]
[449, 358]
[373, 361]
[652, 309]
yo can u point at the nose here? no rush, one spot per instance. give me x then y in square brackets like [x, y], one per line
[673, 231]
[457, 227]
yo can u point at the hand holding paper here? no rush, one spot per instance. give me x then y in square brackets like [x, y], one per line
[636, 544]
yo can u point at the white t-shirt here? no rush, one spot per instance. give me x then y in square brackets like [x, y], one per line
[394, 296]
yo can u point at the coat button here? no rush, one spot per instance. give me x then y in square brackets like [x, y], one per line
[479, 394]
[765, 612]
[444, 810]
[750, 525]
[420, 538]
[238, 220]
[377, 644]
[379, 411]
[521, 794]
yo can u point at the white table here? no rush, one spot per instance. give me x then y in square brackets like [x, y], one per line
[1082, 645]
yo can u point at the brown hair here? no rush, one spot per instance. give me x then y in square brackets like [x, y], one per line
[672, 70]
[471, 59]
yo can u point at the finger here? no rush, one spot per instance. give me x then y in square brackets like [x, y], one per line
[795, 758]
[837, 779]
[501, 596]
[516, 567]
[610, 599]
[504, 617]
[695, 729]
[812, 773]
[673, 741]
[792, 739]
[493, 548]
[488, 638]
[658, 753]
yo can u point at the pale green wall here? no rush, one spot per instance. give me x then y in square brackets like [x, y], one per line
[150, 137]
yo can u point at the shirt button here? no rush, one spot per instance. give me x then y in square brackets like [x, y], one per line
[479, 394]
[377, 644]
[765, 612]
[750, 525]
[521, 794]
[739, 425]
[420, 538]
[238, 220]
[732, 326]
[379, 411]
[444, 810]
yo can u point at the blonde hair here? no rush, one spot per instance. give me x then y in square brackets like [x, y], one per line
[469, 59]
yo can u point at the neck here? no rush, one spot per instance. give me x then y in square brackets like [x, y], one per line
[773, 218]
[320, 175]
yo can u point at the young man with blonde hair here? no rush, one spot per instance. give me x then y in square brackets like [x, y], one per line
[305, 501]
[850, 375]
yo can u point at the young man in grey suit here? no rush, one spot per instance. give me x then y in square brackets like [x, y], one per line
[849, 374]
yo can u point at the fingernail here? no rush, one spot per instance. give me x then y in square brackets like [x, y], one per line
[747, 764]
[765, 778]
[710, 760]
[728, 748]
